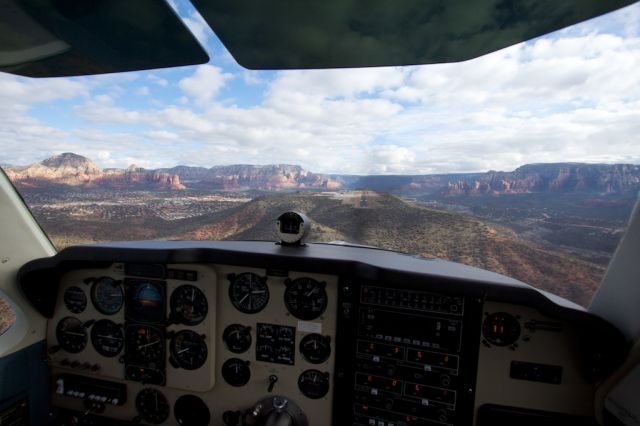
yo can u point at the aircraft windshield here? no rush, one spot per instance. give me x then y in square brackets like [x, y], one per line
[525, 162]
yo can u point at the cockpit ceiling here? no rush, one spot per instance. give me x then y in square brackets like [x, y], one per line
[52, 38]
[290, 34]
[58, 38]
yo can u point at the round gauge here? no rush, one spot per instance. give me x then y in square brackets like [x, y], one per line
[71, 334]
[305, 298]
[315, 348]
[188, 350]
[191, 411]
[188, 305]
[145, 343]
[248, 292]
[313, 384]
[152, 406]
[107, 338]
[501, 329]
[75, 300]
[107, 295]
[236, 372]
[237, 338]
[286, 333]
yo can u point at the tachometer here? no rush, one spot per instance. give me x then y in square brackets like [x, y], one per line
[107, 295]
[75, 300]
[305, 298]
[188, 350]
[152, 406]
[107, 338]
[248, 292]
[71, 334]
[188, 305]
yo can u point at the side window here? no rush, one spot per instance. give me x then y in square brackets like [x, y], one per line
[7, 315]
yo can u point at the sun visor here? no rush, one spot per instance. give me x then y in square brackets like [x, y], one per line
[290, 34]
[56, 38]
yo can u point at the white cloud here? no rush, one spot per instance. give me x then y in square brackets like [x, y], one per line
[389, 159]
[252, 77]
[335, 83]
[142, 91]
[23, 91]
[568, 97]
[205, 83]
[162, 82]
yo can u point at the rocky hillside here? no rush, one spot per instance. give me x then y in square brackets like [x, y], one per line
[77, 171]
[273, 177]
[560, 178]
[74, 170]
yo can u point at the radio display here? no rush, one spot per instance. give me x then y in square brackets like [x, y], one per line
[408, 329]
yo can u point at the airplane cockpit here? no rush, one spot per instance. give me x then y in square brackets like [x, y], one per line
[289, 332]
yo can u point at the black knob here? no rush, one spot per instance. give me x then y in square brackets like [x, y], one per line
[231, 418]
[189, 410]
[445, 380]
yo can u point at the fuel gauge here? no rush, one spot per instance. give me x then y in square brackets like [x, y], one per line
[236, 372]
[237, 338]
[315, 348]
[313, 384]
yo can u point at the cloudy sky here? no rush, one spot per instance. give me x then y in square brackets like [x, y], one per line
[573, 95]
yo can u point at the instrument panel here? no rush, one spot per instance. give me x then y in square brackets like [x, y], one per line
[239, 343]
[228, 336]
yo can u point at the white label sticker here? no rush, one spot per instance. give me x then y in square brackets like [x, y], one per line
[310, 327]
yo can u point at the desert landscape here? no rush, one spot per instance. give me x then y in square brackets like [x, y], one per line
[552, 226]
